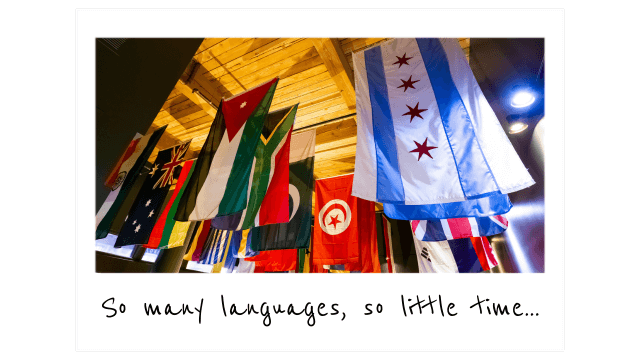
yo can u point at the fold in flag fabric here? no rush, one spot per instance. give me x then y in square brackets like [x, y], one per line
[268, 201]
[398, 246]
[148, 204]
[222, 176]
[367, 239]
[193, 242]
[218, 250]
[449, 229]
[296, 233]
[201, 240]
[496, 204]
[335, 236]
[468, 255]
[162, 231]
[275, 260]
[239, 266]
[426, 133]
[241, 244]
[133, 161]
[114, 176]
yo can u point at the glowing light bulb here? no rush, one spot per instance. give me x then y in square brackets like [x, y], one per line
[522, 99]
[517, 127]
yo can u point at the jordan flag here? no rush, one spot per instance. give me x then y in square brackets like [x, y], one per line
[129, 167]
[269, 180]
[221, 182]
[148, 204]
[338, 222]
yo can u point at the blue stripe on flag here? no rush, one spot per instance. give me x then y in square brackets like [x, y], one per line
[434, 232]
[389, 183]
[465, 255]
[486, 206]
[474, 173]
[488, 227]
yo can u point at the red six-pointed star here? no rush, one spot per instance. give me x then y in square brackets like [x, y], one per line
[334, 221]
[414, 112]
[407, 84]
[402, 60]
[423, 149]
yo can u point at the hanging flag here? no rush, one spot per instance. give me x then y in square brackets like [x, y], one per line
[269, 182]
[275, 260]
[201, 240]
[466, 255]
[162, 231]
[114, 176]
[148, 204]
[449, 229]
[221, 178]
[241, 244]
[296, 233]
[217, 252]
[426, 133]
[193, 242]
[128, 171]
[399, 247]
[497, 204]
[367, 239]
[338, 222]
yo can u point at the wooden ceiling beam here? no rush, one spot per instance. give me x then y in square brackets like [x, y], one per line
[338, 67]
[198, 89]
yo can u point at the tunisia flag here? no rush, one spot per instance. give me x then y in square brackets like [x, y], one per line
[339, 221]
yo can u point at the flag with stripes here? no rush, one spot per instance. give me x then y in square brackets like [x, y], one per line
[268, 200]
[133, 160]
[241, 244]
[467, 255]
[202, 238]
[163, 229]
[218, 248]
[449, 229]
[150, 200]
[296, 233]
[221, 181]
[426, 133]
[193, 242]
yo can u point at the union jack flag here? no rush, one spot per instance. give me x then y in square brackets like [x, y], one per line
[177, 155]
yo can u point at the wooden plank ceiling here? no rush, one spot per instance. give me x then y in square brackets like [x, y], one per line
[316, 73]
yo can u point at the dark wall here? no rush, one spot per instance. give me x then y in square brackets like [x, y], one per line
[132, 83]
[502, 67]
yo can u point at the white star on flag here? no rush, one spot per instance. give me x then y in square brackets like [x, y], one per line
[151, 213]
[137, 228]
[134, 222]
[243, 105]
[148, 202]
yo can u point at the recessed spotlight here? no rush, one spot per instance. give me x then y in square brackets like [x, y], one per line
[517, 127]
[522, 99]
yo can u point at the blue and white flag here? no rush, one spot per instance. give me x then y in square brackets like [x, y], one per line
[450, 229]
[426, 133]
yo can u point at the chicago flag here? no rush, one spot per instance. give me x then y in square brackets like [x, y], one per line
[426, 133]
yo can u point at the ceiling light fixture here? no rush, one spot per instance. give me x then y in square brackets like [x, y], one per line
[522, 99]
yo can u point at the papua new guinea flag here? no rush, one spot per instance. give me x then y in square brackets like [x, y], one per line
[221, 180]
[130, 165]
[148, 204]
[268, 201]
[449, 229]
[296, 233]
[426, 133]
[466, 255]
[163, 228]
